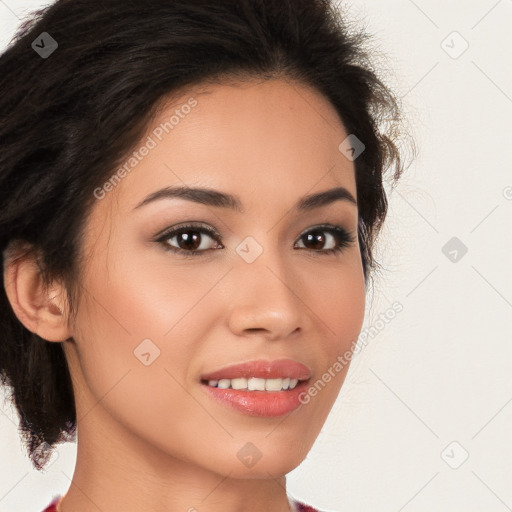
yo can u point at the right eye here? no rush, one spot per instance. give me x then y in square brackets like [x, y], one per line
[190, 239]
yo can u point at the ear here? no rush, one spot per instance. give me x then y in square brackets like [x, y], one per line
[42, 311]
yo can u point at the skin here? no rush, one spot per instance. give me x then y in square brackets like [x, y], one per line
[149, 438]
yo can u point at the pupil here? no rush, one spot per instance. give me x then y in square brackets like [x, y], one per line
[191, 242]
[316, 236]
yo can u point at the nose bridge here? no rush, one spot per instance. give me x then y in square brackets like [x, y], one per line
[267, 296]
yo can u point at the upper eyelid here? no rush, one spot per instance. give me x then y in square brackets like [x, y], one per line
[188, 225]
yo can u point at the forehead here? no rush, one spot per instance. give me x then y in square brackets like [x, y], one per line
[268, 142]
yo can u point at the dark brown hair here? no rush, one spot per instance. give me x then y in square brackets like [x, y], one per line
[69, 118]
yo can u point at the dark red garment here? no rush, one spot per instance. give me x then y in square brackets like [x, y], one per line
[52, 507]
[301, 507]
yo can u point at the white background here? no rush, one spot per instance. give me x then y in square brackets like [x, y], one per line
[441, 370]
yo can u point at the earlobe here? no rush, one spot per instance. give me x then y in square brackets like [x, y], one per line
[42, 311]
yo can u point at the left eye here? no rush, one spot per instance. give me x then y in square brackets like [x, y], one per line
[337, 236]
[190, 240]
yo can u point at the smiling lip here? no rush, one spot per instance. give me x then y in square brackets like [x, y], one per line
[281, 368]
[260, 403]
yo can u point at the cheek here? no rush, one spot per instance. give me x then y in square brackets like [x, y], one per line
[145, 296]
[175, 308]
[139, 374]
[346, 311]
[337, 295]
[145, 309]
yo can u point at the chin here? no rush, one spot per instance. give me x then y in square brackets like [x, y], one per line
[262, 470]
[261, 460]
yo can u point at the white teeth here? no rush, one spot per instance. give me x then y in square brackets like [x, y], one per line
[273, 384]
[255, 384]
[239, 383]
[224, 383]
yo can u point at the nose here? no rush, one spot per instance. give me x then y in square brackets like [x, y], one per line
[267, 299]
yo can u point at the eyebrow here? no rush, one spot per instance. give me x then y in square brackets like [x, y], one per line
[219, 199]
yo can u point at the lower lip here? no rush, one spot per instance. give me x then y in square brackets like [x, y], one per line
[259, 403]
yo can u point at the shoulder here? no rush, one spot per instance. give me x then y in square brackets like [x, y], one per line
[52, 507]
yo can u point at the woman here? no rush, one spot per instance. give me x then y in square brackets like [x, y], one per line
[190, 195]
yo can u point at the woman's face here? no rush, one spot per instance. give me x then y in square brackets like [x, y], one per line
[152, 322]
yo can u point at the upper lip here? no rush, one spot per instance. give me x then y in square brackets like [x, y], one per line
[281, 368]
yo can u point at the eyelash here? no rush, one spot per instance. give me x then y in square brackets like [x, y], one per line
[342, 237]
